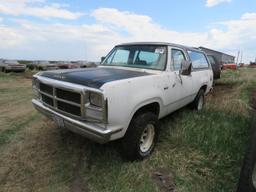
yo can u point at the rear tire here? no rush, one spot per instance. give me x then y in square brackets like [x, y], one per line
[198, 103]
[140, 138]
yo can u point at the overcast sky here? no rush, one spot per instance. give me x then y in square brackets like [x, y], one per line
[88, 29]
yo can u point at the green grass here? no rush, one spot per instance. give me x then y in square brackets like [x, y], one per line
[9, 134]
[202, 150]
[220, 139]
[5, 77]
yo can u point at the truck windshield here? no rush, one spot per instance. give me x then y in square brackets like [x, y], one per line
[138, 56]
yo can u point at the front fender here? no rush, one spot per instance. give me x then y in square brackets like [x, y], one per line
[125, 97]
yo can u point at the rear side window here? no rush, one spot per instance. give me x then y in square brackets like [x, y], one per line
[211, 59]
[198, 59]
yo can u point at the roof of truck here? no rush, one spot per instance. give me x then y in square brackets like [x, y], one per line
[162, 43]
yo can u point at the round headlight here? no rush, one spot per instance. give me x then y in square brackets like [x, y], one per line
[95, 99]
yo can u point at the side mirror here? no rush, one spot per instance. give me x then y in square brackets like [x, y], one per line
[185, 68]
[102, 59]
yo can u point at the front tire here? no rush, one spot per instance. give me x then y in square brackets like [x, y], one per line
[140, 138]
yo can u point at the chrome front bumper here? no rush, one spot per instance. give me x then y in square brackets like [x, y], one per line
[91, 131]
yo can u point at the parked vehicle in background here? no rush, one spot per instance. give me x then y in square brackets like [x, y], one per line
[232, 66]
[86, 64]
[241, 65]
[252, 64]
[216, 67]
[67, 65]
[31, 65]
[44, 65]
[136, 85]
[11, 66]
[220, 57]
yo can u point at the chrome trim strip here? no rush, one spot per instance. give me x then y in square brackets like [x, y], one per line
[46, 94]
[66, 101]
[83, 112]
[54, 98]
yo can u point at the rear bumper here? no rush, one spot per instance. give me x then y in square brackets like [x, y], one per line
[91, 131]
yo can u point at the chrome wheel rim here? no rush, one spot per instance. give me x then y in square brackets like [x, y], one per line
[200, 103]
[147, 138]
[254, 177]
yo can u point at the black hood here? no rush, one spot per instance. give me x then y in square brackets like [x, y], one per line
[92, 77]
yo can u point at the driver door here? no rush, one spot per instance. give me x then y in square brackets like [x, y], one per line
[180, 86]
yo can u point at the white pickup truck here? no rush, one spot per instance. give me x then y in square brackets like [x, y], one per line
[136, 85]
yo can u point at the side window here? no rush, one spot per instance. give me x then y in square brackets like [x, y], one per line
[177, 58]
[198, 60]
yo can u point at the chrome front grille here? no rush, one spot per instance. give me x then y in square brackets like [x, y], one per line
[61, 99]
[46, 88]
[67, 95]
[70, 99]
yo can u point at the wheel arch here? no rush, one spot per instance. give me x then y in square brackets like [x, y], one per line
[153, 106]
[204, 87]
